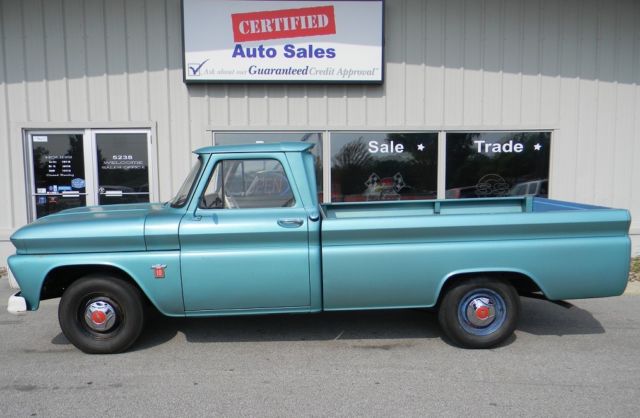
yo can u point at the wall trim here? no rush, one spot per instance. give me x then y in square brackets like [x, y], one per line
[31, 125]
[390, 128]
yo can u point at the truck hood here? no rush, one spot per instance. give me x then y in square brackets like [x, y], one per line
[86, 229]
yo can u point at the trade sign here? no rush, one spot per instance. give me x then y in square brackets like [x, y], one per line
[283, 41]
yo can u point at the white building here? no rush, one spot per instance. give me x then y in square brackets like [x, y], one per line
[92, 94]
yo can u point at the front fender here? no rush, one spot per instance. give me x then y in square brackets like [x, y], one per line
[165, 294]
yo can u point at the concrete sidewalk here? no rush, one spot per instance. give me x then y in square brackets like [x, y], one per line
[633, 288]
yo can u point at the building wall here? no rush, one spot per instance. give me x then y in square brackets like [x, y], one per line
[570, 66]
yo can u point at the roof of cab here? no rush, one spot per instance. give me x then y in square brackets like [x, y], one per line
[250, 148]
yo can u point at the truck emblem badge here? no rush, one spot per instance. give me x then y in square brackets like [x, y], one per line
[158, 270]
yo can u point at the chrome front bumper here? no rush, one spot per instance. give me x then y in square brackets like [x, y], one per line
[17, 304]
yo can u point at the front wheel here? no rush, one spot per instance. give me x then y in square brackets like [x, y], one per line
[101, 314]
[479, 312]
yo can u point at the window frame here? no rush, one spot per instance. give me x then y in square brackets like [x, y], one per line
[220, 159]
[442, 163]
[385, 132]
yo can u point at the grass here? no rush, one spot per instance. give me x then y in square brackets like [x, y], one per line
[634, 274]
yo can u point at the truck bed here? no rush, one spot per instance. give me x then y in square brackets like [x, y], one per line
[394, 209]
[402, 252]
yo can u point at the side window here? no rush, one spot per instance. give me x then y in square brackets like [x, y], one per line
[241, 184]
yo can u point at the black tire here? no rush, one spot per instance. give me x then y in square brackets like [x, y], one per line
[479, 312]
[113, 330]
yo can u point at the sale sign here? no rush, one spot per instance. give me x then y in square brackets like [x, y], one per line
[283, 41]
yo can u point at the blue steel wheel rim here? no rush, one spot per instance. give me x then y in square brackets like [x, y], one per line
[482, 312]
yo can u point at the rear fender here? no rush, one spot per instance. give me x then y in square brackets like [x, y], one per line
[511, 275]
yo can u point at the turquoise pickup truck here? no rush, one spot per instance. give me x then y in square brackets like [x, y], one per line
[246, 235]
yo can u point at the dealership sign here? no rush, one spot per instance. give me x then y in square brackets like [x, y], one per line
[283, 41]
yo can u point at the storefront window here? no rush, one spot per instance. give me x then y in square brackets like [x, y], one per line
[369, 166]
[237, 138]
[496, 164]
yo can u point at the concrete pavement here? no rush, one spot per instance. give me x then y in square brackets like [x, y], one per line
[581, 361]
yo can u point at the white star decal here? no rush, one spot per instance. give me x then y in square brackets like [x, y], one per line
[420, 147]
[537, 147]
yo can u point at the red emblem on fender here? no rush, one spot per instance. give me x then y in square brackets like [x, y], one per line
[158, 270]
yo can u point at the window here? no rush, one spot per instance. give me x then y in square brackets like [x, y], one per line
[374, 166]
[493, 164]
[237, 138]
[181, 198]
[369, 166]
[58, 172]
[69, 169]
[123, 168]
[242, 184]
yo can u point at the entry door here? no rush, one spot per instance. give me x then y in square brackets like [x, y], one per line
[122, 163]
[57, 172]
[246, 246]
[87, 167]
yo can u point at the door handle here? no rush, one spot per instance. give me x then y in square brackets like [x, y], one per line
[290, 223]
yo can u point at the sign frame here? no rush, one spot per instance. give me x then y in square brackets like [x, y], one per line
[281, 81]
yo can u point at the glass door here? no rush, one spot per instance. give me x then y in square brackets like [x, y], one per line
[122, 167]
[58, 172]
[75, 168]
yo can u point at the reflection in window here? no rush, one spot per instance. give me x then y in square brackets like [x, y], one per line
[368, 166]
[495, 164]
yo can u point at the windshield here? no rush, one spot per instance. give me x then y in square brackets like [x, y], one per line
[185, 190]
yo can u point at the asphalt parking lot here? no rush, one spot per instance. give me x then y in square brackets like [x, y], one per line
[581, 361]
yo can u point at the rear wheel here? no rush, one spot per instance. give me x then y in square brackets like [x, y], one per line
[101, 314]
[479, 312]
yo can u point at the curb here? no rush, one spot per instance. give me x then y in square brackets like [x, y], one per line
[633, 288]
[12, 282]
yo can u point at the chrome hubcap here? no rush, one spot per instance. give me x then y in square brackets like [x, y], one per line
[480, 311]
[100, 316]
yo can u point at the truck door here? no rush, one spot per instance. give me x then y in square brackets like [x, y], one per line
[246, 246]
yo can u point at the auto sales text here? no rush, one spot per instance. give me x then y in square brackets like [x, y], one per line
[289, 51]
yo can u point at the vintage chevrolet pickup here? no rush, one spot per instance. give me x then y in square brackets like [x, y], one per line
[245, 235]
